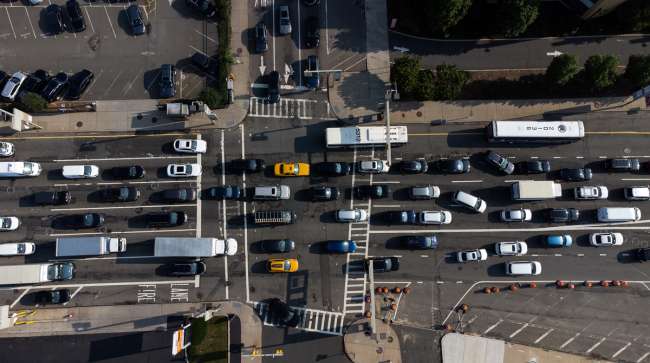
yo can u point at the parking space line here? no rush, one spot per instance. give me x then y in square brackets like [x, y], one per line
[110, 23]
[643, 357]
[205, 36]
[19, 297]
[123, 207]
[518, 330]
[10, 22]
[569, 340]
[197, 50]
[327, 33]
[124, 232]
[491, 327]
[621, 350]
[387, 205]
[108, 89]
[127, 87]
[89, 19]
[596, 345]
[30, 22]
[76, 292]
[543, 336]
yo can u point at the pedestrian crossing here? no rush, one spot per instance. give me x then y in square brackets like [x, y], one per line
[312, 320]
[303, 109]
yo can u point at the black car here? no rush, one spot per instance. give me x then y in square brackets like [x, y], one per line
[576, 174]
[375, 191]
[312, 74]
[324, 193]
[312, 32]
[642, 254]
[225, 192]
[311, 2]
[623, 165]
[453, 166]
[273, 95]
[499, 162]
[283, 314]
[204, 7]
[169, 219]
[128, 172]
[34, 83]
[52, 297]
[400, 217]
[76, 16]
[135, 19]
[383, 264]
[78, 221]
[420, 242]
[185, 269]
[560, 215]
[277, 245]
[247, 165]
[333, 168]
[52, 198]
[167, 81]
[205, 63]
[55, 87]
[121, 194]
[261, 38]
[534, 167]
[417, 166]
[179, 195]
[78, 84]
[54, 19]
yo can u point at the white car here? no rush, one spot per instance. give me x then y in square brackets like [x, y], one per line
[15, 249]
[7, 149]
[472, 255]
[434, 217]
[80, 171]
[9, 223]
[183, 170]
[351, 215]
[516, 215]
[190, 146]
[606, 239]
[516, 248]
[285, 20]
[591, 192]
[373, 166]
[13, 85]
[637, 193]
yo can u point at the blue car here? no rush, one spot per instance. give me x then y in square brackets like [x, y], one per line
[341, 246]
[559, 240]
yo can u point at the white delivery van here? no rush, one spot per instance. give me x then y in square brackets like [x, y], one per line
[618, 214]
[12, 169]
[80, 171]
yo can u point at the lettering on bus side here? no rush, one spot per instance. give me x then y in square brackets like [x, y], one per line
[357, 134]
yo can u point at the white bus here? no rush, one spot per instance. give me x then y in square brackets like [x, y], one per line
[365, 136]
[535, 131]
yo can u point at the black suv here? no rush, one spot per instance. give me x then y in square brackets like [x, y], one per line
[400, 217]
[247, 165]
[55, 87]
[52, 198]
[534, 167]
[52, 297]
[185, 269]
[499, 162]
[179, 195]
[642, 254]
[204, 7]
[78, 84]
[261, 38]
[273, 95]
[375, 191]
[76, 16]
[312, 32]
[121, 194]
[576, 174]
[167, 81]
[417, 166]
[561, 215]
[324, 193]
[623, 165]
[333, 168]
[170, 219]
[453, 166]
[383, 264]
[128, 172]
[54, 19]
[207, 64]
[78, 221]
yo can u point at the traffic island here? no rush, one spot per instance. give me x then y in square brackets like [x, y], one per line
[362, 346]
[209, 340]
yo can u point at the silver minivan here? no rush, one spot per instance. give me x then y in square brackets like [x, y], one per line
[424, 192]
[469, 201]
[272, 192]
[619, 214]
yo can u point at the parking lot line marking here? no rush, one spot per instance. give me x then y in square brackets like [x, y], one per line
[643, 357]
[518, 331]
[19, 297]
[386, 205]
[627, 345]
[108, 89]
[124, 232]
[596, 345]
[467, 181]
[386, 182]
[354, 64]
[123, 207]
[569, 340]
[10, 22]
[111, 24]
[197, 50]
[30, 22]
[635, 179]
[126, 158]
[205, 36]
[129, 84]
[89, 19]
[77, 291]
[543, 336]
[490, 328]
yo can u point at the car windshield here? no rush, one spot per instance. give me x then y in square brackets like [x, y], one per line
[88, 170]
[287, 265]
[88, 219]
[6, 223]
[21, 248]
[14, 80]
[28, 168]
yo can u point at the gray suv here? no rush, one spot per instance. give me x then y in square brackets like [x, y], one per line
[500, 162]
[424, 192]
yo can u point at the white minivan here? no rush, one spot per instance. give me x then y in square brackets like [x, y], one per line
[523, 268]
[619, 214]
[15, 249]
[80, 171]
[469, 201]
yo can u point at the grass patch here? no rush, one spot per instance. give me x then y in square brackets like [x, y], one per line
[209, 341]
[217, 90]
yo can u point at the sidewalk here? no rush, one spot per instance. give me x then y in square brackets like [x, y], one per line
[362, 347]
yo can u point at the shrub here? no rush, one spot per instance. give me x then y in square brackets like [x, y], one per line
[600, 72]
[638, 70]
[32, 102]
[561, 70]
[449, 82]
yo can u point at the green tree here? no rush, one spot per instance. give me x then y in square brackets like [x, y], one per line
[449, 82]
[211, 97]
[424, 88]
[444, 14]
[517, 16]
[32, 102]
[634, 16]
[561, 70]
[638, 70]
[405, 73]
[600, 72]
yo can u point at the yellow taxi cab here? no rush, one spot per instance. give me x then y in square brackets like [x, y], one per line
[291, 169]
[282, 265]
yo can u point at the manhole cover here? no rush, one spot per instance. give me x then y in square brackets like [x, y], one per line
[79, 124]
[419, 114]
[627, 150]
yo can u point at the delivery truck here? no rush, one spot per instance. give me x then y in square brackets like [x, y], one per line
[193, 247]
[89, 246]
[535, 190]
[36, 273]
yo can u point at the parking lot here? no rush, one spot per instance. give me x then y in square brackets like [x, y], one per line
[125, 66]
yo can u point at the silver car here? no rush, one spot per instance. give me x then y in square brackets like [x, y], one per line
[285, 20]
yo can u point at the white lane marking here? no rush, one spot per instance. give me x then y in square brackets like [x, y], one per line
[100, 284]
[386, 206]
[518, 331]
[543, 336]
[260, 86]
[621, 350]
[179, 181]
[492, 327]
[77, 291]
[11, 23]
[354, 64]
[225, 214]
[596, 345]
[299, 47]
[569, 340]
[385, 182]
[123, 207]
[198, 200]
[274, 31]
[327, 33]
[197, 281]
[580, 157]
[602, 157]
[635, 179]
[110, 23]
[126, 158]
[110, 86]
[89, 19]
[643, 357]
[467, 181]
[124, 232]
[248, 297]
[18, 298]
[30, 22]
[205, 36]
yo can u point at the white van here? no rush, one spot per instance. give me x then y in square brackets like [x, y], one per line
[272, 192]
[16, 249]
[469, 201]
[618, 214]
[80, 171]
[523, 268]
[13, 169]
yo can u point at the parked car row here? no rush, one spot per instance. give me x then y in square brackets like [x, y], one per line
[40, 82]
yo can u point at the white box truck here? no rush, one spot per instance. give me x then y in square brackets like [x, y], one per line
[193, 247]
[13, 169]
[535, 190]
[36, 273]
[89, 246]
